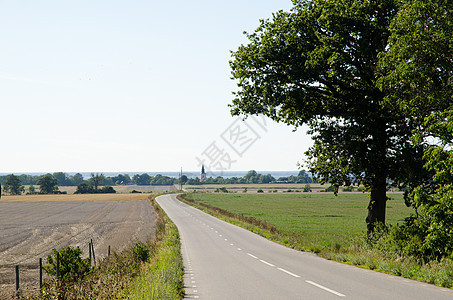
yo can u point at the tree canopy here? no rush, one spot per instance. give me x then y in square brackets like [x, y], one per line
[47, 184]
[13, 185]
[318, 64]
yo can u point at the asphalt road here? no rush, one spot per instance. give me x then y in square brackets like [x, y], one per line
[223, 261]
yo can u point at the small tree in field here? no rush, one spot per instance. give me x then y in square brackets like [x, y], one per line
[72, 266]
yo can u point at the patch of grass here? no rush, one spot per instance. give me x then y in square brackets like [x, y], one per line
[307, 220]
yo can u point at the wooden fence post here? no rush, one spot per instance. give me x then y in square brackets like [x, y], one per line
[108, 254]
[40, 274]
[89, 251]
[17, 278]
[94, 255]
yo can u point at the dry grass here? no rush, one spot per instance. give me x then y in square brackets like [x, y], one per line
[74, 197]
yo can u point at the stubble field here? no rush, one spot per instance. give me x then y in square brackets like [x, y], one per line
[31, 226]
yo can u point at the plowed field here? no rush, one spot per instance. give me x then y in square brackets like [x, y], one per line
[31, 226]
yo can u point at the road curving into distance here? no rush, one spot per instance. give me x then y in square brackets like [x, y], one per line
[223, 261]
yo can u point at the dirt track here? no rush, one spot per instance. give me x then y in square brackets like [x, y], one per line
[31, 229]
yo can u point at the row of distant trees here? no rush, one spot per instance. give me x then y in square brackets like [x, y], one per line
[97, 183]
[64, 179]
[12, 185]
[251, 177]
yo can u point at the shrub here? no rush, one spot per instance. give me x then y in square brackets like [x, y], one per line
[141, 252]
[72, 266]
[307, 188]
[222, 189]
[348, 188]
[260, 191]
[107, 190]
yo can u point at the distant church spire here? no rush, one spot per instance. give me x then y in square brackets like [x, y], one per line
[203, 174]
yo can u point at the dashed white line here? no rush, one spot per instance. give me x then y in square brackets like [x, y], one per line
[239, 249]
[324, 288]
[288, 272]
[267, 263]
[252, 255]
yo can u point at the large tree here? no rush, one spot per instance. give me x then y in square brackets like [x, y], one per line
[47, 184]
[13, 185]
[317, 65]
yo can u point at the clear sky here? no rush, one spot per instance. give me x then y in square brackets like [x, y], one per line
[110, 86]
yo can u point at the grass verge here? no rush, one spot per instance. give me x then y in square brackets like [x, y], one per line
[333, 227]
[151, 270]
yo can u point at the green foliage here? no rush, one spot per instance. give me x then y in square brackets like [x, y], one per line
[307, 188]
[72, 266]
[222, 189]
[260, 191]
[107, 190]
[86, 188]
[143, 179]
[141, 252]
[417, 65]
[47, 184]
[13, 185]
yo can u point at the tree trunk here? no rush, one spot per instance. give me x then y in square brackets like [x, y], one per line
[378, 201]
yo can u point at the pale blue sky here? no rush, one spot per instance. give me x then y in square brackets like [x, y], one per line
[129, 86]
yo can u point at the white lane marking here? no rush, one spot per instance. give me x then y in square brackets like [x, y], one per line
[231, 244]
[265, 262]
[324, 288]
[239, 249]
[288, 272]
[252, 255]
[226, 240]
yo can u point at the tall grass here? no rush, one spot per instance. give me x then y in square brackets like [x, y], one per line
[162, 278]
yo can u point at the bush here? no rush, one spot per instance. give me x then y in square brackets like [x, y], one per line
[260, 191]
[348, 188]
[222, 189]
[107, 190]
[141, 252]
[307, 188]
[72, 266]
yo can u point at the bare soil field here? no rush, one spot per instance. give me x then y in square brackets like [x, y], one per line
[31, 226]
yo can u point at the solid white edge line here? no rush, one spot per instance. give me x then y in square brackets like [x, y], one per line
[265, 262]
[252, 255]
[288, 272]
[324, 288]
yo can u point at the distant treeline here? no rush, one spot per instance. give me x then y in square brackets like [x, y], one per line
[251, 177]
[63, 179]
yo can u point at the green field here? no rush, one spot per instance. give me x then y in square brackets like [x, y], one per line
[308, 220]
